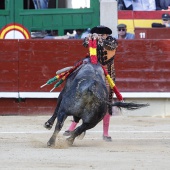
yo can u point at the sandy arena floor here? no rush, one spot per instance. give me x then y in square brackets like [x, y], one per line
[139, 143]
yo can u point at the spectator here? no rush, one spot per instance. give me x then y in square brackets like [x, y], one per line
[165, 21]
[122, 32]
[144, 5]
[51, 34]
[40, 4]
[85, 34]
[125, 5]
[78, 34]
[140, 5]
[162, 4]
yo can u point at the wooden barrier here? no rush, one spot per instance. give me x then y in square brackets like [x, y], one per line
[141, 66]
[152, 33]
[9, 66]
[39, 60]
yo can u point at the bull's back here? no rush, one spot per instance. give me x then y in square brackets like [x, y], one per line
[86, 94]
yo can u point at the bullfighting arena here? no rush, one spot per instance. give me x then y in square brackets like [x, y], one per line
[139, 143]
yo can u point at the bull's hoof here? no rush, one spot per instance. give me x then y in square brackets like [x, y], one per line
[51, 143]
[107, 138]
[70, 141]
[48, 125]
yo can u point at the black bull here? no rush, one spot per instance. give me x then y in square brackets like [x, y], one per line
[83, 97]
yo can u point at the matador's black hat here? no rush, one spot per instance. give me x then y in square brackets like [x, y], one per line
[101, 30]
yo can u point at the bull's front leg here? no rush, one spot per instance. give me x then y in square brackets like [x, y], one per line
[48, 125]
[59, 125]
[52, 140]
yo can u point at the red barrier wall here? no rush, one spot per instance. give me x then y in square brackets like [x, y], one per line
[141, 66]
[9, 65]
[39, 60]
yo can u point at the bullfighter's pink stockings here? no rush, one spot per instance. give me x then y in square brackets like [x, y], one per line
[106, 121]
[72, 126]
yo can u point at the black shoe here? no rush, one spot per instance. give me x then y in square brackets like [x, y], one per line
[67, 133]
[107, 138]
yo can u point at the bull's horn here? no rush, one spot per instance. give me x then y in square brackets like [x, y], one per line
[64, 70]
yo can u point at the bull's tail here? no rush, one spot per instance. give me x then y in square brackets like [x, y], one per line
[128, 106]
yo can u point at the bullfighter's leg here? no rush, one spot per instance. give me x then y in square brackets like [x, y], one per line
[106, 122]
[59, 125]
[78, 131]
[72, 127]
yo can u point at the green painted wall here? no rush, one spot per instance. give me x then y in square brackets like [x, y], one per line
[50, 19]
